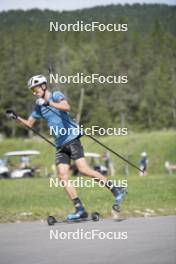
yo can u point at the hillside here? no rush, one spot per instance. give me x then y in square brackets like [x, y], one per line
[145, 53]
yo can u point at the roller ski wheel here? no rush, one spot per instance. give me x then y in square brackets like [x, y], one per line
[95, 216]
[116, 207]
[51, 220]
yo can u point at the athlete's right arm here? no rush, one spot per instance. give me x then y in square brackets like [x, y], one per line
[29, 122]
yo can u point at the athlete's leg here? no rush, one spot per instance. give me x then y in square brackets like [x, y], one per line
[85, 169]
[77, 154]
[63, 174]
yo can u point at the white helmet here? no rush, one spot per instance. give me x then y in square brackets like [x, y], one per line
[143, 154]
[36, 80]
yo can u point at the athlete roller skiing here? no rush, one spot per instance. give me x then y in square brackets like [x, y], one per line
[68, 147]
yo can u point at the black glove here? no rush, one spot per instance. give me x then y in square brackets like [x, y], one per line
[11, 114]
[42, 102]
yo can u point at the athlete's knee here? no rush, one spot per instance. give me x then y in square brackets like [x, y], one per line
[63, 174]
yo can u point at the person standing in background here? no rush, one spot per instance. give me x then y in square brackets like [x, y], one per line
[143, 164]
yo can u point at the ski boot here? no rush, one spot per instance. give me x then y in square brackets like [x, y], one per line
[79, 214]
[119, 196]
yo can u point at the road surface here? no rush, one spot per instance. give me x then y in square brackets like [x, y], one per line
[134, 241]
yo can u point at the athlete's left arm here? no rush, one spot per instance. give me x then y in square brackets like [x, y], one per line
[62, 105]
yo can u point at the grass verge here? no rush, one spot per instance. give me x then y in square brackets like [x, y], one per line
[32, 199]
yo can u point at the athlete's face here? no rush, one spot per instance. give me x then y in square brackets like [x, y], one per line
[37, 91]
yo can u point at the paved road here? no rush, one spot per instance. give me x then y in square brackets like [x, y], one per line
[149, 241]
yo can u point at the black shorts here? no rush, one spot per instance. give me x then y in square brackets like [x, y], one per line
[73, 150]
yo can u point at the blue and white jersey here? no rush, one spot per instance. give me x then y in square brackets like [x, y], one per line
[62, 127]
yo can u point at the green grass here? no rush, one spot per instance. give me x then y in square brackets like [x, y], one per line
[154, 194]
[38, 200]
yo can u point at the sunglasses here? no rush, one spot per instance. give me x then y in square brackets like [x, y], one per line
[34, 89]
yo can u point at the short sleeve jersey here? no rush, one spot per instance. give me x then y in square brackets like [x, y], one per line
[62, 127]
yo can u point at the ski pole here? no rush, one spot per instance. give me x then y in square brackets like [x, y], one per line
[97, 141]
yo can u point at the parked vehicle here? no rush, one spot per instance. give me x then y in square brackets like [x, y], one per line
[4, 170]
[20, 168]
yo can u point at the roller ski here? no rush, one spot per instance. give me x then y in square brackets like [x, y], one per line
[77, 217]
